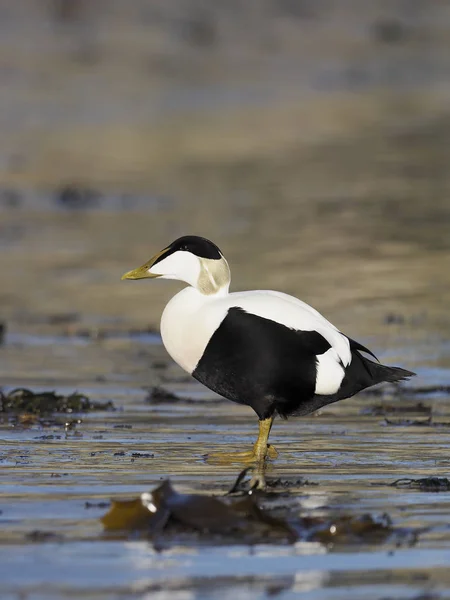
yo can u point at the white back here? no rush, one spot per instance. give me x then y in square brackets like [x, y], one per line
[191, 318]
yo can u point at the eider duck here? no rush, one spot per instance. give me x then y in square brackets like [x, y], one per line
[261, 348]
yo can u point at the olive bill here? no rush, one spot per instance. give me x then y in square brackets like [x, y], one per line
[142, 272]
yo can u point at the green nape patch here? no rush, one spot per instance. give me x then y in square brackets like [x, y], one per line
[22, 400]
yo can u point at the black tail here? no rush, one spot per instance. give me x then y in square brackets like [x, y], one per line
[360, 374]
[363, 373]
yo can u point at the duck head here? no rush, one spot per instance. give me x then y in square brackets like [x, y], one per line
[192, 259]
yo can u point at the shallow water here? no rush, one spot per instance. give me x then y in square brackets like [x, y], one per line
[319, 164]
[349, 450]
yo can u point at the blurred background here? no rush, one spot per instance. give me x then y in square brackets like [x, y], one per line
[308, 138]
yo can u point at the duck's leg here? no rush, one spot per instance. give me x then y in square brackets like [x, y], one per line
[258, 454]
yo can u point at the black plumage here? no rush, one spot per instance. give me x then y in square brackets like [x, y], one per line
[199, 246]
[272, 368]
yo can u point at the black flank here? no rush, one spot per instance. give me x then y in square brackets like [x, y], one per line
[272, 368]
[258, 362]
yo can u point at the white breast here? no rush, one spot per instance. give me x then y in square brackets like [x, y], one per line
[187, 324]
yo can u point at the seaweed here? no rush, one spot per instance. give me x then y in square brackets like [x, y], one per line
[416, 422]
[276, 483]
[157, 394]
[165, 515]
[88, 505]
[40, 536]
[408, 422]
[142, 455]
[160, 395]
[164, 509]
[289, 483]
[424, 484]
[24, 401]
[347, 528]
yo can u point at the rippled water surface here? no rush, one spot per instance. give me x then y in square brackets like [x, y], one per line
[319, 165]
[51, 540]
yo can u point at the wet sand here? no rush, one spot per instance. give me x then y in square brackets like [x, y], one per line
[327, 180]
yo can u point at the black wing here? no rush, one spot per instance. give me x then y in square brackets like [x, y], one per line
[259, 362]
[357, 346]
